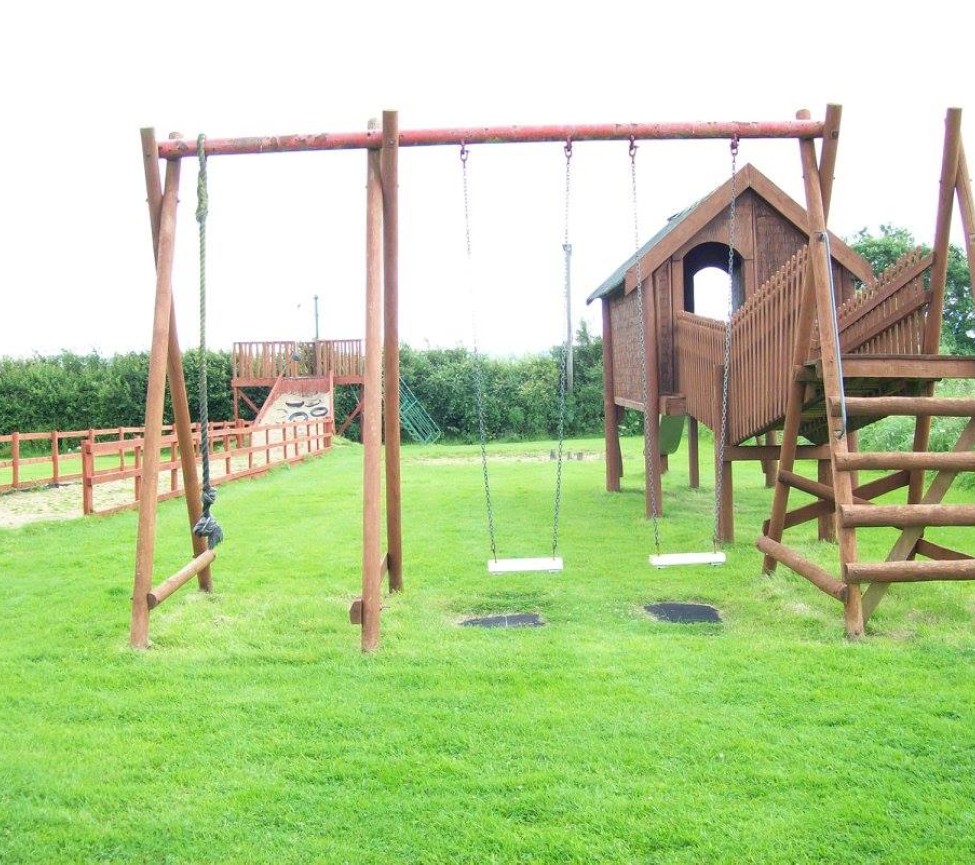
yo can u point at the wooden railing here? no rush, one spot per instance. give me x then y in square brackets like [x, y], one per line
[60, 461]
[886, 317]
[266, 361]
[235, 452]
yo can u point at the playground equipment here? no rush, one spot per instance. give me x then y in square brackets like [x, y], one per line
[551, 563]
[814, 395]
[810, 357]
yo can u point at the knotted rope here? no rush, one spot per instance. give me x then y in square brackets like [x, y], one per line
[207, 526]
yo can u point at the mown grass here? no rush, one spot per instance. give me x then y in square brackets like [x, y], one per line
[255, 731]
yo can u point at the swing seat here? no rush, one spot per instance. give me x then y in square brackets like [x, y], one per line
[669, 560]
[511, 566]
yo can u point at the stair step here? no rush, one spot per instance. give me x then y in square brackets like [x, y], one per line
[907, 406]
[905, 516]
[952, 461]
[923, 367]
[909, 572]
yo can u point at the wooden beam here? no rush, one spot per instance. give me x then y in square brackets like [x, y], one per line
[939, 553]
[905, 406]
[906, 516]
[389, 167]
[911, 571]
[907, 542]
[739, 453]
[820, 578]
[966, 206]
[827, 156]
[155, 394]
[885, 460]
[888, 366]
[167, 587]
[614, 456]
[373, 409]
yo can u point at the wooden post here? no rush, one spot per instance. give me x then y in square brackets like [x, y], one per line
[651, 429]
[614, 456]
[939, 273]
[372, 413]
[966, 205]
[174, 368]
[820, 264]
[15, 459]
[55, 459]
[87, 479]
[803, 338]
[827, 523]
[723, 468]
[693, 453]
[394, 506]
[771, 467]
[156, 391]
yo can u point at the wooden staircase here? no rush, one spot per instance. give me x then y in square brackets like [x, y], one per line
[843, 379]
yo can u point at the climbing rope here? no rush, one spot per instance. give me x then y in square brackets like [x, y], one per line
[207, 526]
[647, 458]
[719, 465]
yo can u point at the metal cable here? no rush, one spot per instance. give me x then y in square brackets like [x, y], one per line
[648, 462]
[564, 356]
[726, 373]
[478, 360]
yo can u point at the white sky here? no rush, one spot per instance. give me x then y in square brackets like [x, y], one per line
[80, 79]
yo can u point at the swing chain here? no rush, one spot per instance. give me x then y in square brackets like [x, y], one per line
[647, 459]
[478, 360]
[564, 354]
[726, 372]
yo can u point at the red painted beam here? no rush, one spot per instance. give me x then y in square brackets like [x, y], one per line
[178, 148]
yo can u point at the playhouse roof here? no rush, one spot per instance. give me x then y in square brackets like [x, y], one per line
[681, 227]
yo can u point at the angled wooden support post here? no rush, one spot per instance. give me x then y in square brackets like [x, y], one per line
[156, 391]
[372, 557]
[939, 274]
[803, 343]
[174, 369]
[966, 206]
[833, 387]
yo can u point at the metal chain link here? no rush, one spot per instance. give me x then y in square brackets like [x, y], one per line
[726, 375]
[478, 360]
[207, 525]
[651, 478]
[564, 356]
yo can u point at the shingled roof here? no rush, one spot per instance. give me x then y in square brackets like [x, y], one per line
[681, 227]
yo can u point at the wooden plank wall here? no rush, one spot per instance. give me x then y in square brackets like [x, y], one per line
[627, 372]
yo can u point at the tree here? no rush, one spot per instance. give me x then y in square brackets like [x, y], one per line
[958, 331]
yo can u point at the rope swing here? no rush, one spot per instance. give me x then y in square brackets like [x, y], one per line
[207, 526]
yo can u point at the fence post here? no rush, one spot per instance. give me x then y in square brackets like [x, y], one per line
[55, 461]
[137, 465]
[15, 457]
[87, 479]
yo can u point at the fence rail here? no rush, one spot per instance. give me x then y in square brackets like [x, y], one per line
[108, 462]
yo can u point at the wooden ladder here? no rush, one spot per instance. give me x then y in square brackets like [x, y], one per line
[879, 385]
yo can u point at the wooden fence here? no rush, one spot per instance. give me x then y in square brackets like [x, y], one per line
[108, 462]
[885, 317]
[266, 361]
[56, 457]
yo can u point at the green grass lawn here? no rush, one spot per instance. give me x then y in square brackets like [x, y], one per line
[255, 731]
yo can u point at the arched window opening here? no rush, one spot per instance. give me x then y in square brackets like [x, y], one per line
[706, 281]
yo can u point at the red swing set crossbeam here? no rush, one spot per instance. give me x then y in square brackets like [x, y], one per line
[372, 139]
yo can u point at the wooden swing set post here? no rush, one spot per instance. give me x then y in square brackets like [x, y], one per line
[164, 359]
[804, 325]
[389, 168]
[372, 411]
[174, 367]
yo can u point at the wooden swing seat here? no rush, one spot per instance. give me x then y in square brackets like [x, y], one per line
[669, 560]
[511, 566]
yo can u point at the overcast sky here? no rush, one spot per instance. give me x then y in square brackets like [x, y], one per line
[80, 79]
